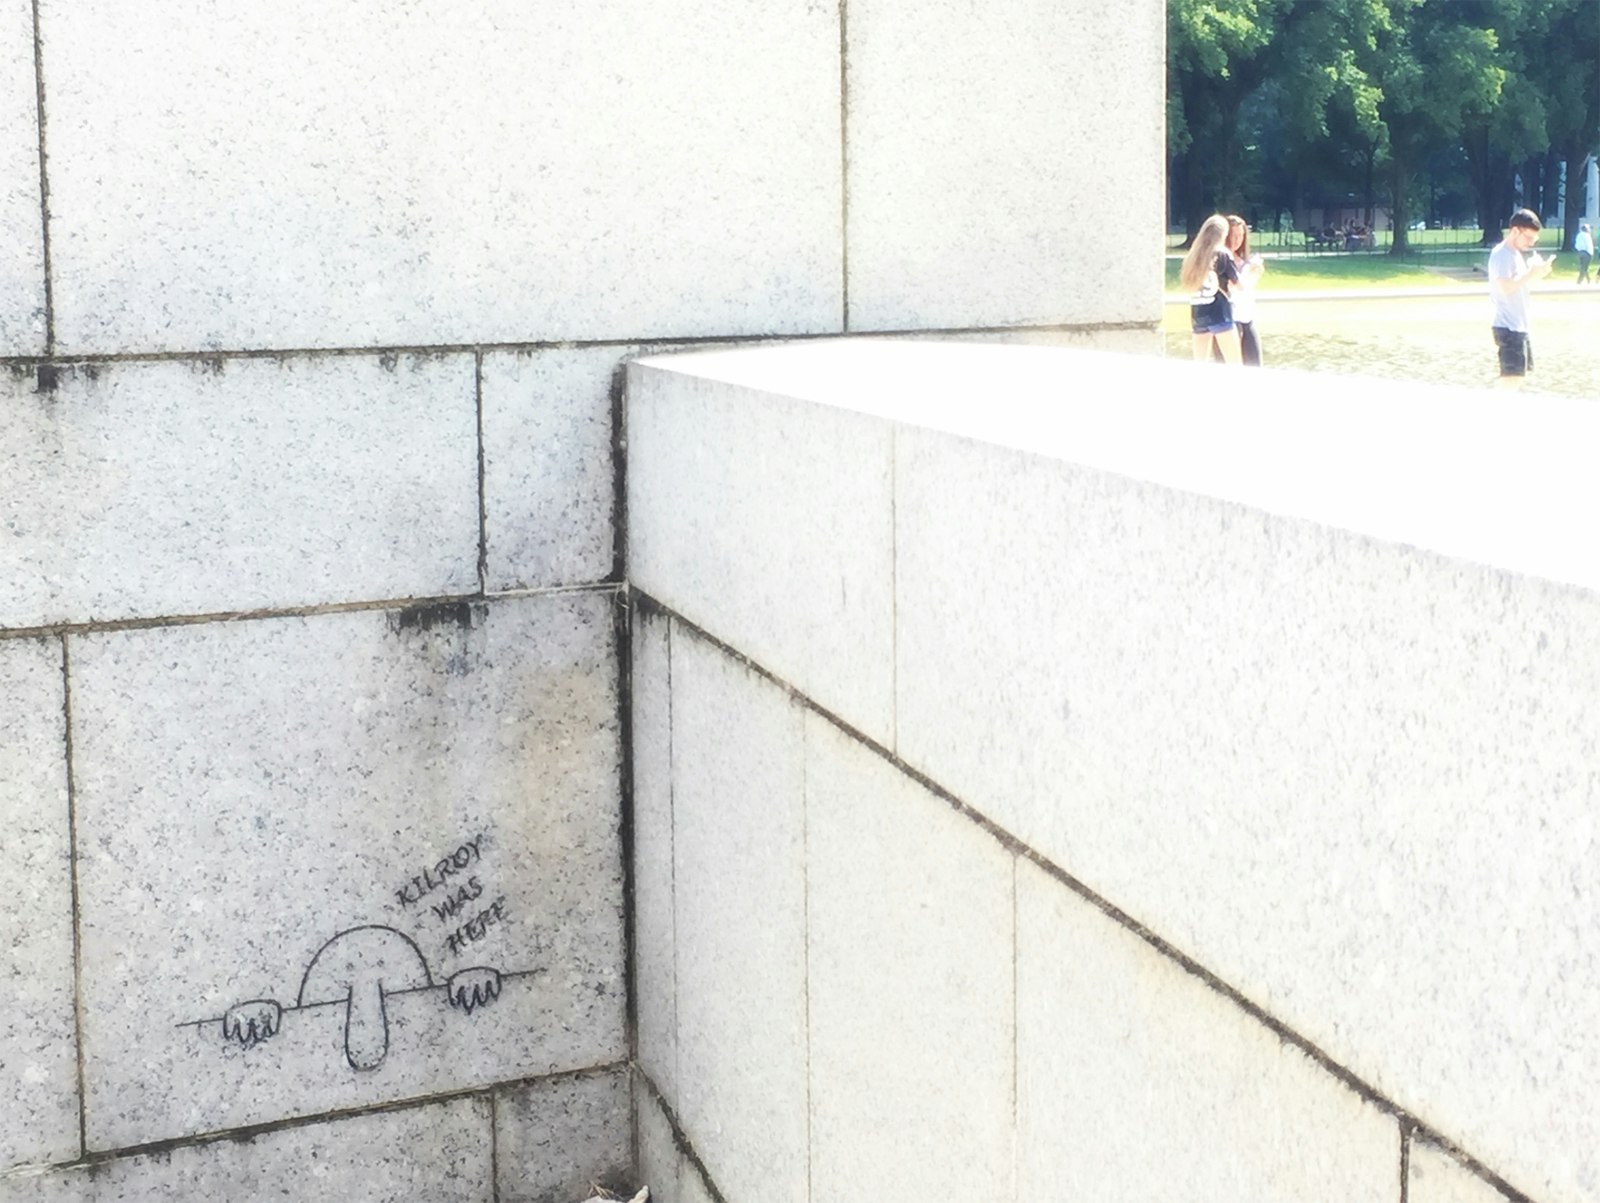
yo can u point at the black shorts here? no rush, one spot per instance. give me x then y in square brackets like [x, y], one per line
[1516, 352]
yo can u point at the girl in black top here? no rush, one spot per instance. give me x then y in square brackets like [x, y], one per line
[1208, 273]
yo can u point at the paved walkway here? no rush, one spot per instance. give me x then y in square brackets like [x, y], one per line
[1439, 335]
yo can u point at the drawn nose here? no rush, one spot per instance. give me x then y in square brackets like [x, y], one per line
[366, 1024]
[360, 968]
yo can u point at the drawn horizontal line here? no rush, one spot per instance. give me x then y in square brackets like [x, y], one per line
[340, 1002]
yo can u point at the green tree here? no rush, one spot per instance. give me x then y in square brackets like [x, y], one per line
[1217, 55]
[1561, 62]
[1416, 73]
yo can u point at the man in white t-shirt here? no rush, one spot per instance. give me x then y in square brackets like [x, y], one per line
[1584, 245]
[1513, 265]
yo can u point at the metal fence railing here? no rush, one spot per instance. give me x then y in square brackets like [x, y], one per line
[1353, 242]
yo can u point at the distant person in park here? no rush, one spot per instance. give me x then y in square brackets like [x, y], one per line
[1513, 266]
[1243, 294]
[1584, 245]
[1208, 275]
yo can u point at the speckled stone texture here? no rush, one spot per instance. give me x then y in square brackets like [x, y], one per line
[558, 1140]
[1303, 688]
[440, 1153]
[1136, 1081]
[654, 940]
[1433, 1176]
[983, 141]
[1349, 777]
[910, 959]
[22, 325]
[142, 489]
[38, 1049]
[659, 1162]
[300, 174]
[549, 472]
[389, 808]
[717, 471]
[739, 860]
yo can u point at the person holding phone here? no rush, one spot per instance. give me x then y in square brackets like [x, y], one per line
[1208, 274]
[1513, 266]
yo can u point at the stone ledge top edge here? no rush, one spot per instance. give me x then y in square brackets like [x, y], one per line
[1503, 480]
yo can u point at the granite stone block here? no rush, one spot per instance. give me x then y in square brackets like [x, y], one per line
[660, 1162]
[556, 1141]
[1350, 777]
[1433, 1176]
[739, 866]
[444, 173]
[22, 294]
[692, 1187]
[654, 945]
[718, 467]
[910, 967]
[335, 861]
[442, 1153]
[160, 488]
[970, 130]
[1137, 1081]
[38, 1040]
[549, 471]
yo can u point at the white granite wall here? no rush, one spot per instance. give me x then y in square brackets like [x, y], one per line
[1294, 776]
[878, 998]
[311, 321]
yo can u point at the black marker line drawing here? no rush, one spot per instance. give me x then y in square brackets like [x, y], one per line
[360, 968]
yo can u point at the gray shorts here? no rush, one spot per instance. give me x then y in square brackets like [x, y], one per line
[1516, 352]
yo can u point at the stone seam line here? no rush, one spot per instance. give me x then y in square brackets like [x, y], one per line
[622, 635]
[248, 1133]
[680, 1139]
[72, 861]
[308, 611]
[844, 165]
[483, 500]
[44, 186]
[222, 355]
[1364, 1090]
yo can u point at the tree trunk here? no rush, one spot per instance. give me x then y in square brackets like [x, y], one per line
[1494, 192]
[1577, 160]
[1192, 208]
[1399, 210]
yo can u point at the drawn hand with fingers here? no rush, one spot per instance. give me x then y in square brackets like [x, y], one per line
[252, 1022]
[361, 968]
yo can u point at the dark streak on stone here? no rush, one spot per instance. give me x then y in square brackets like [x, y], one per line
[619, 473]
[48, 377]
[464, 615]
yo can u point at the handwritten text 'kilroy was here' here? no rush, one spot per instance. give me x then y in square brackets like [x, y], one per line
[452, 889]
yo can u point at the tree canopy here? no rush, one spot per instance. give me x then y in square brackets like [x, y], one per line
[1438, 110]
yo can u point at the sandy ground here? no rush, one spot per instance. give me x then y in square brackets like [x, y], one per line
[1444, 339]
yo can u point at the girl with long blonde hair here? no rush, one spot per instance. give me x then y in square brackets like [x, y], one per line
[1207, 274]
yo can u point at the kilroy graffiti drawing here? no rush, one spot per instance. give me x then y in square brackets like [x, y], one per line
[361, 968]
